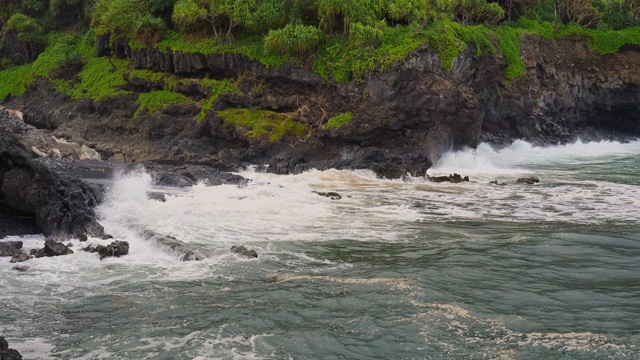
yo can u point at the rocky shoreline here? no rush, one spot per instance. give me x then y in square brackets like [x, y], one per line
[404, 118]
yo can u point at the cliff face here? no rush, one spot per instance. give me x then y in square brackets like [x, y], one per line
[568, 91]
[403, 118]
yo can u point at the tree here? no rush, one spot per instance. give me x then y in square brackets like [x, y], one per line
[581, 12]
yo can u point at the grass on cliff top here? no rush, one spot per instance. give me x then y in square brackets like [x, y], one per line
[258, 123]
[250, 46]
[601, 41]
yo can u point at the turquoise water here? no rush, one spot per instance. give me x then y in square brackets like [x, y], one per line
[396, 269]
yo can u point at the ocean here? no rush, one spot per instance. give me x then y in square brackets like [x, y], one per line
[395, 269]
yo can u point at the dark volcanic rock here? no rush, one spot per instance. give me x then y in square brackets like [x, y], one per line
[171, 244]
[16, 222]
[6, 353]
[244, 252]
[116, 249]
[62, 206]
[528, 181]
[10, 248]
[53, 248]
[453, 178]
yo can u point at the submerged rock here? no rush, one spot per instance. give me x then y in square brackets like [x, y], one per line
[6, 353]
[452, 178]
[495, 182]
[20, 258]
[21, 268]
[171, 244]
[331, 195]
[528, 181]
[115, 249]
[244, 252]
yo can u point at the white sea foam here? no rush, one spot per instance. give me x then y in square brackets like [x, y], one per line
[515, 158]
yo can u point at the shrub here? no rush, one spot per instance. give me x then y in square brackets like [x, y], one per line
[149, 30]
[362, 35]
[293, 39]
[26, 28]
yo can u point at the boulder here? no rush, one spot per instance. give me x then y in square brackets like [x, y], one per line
[51, 248]
[10, 248]
[21, 268]
[116, 249]
[6, 353]
[244, 252]
[528, 181]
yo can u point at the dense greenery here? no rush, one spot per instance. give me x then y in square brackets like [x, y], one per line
[341, 40]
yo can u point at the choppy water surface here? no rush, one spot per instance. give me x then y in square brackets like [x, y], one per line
[393, 270]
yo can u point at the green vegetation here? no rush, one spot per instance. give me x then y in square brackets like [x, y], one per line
[509, 45]
[258, 123]
[99, 79]
[155, 101]
[293, 39]
[216, 88]
[12, 81]
[338, 121]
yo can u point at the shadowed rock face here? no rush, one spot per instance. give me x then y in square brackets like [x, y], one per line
[62, 207]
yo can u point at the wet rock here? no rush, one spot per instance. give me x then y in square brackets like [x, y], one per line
[63, 206]
[115, 249]
[495, 182]
[6, 353]
[244, 252]
[452, 178]
[331, 195]
[528, 181]
[10, 248]
[54, 248]
[171, 244]
[20, 257]
[21, 268]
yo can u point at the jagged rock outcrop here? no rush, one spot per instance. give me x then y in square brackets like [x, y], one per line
[115, 249]
[7, 353]
[62, 206]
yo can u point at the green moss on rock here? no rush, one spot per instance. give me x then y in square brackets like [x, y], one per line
[258, 123]
[338, 121]
[155, 101]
